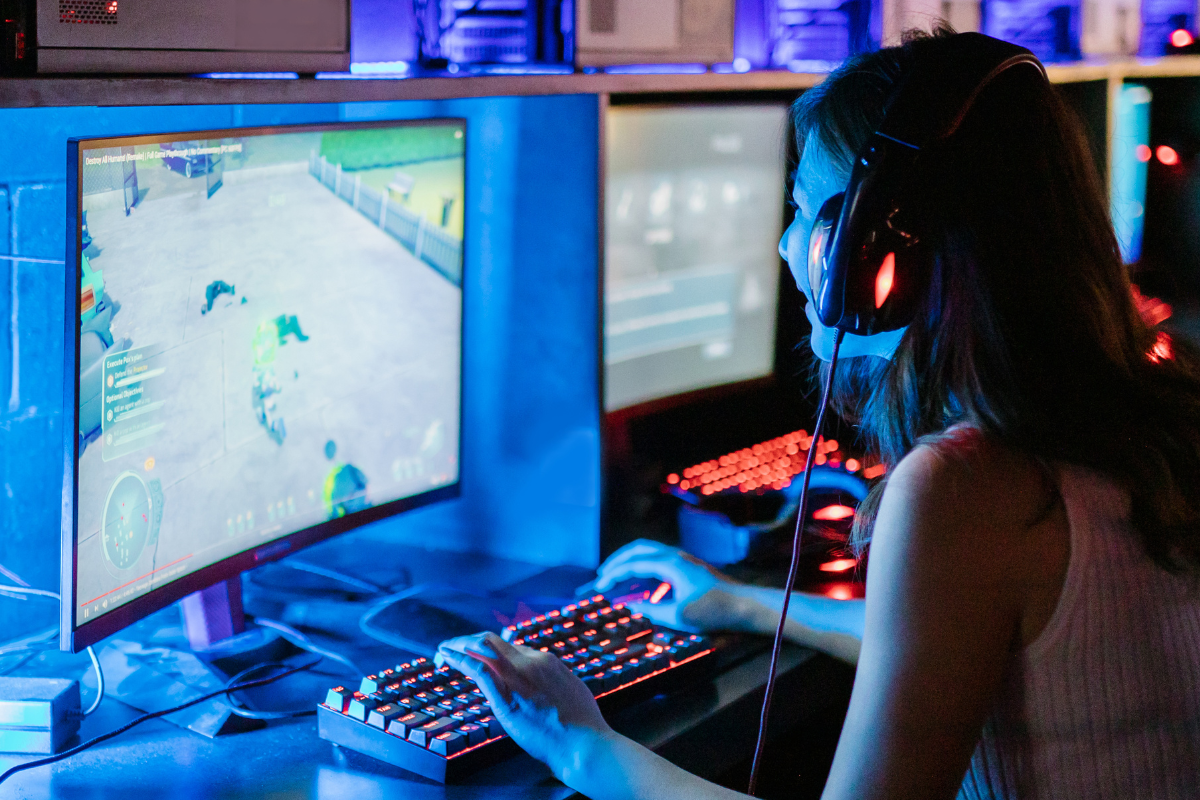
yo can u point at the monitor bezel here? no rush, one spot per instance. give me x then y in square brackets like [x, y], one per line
[75, 637]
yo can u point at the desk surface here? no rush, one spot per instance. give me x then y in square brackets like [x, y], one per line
[706, 728]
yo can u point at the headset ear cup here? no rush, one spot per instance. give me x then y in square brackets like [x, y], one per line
[888, 283]
[824, 280]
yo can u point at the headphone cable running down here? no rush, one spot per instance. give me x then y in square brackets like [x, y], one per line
[760, 743]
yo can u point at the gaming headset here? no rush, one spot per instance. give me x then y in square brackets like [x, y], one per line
[867, 264]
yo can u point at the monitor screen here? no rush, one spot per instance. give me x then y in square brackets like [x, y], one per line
[693, 212]
[268, 335]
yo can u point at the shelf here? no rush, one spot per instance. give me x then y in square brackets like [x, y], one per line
[152, 91]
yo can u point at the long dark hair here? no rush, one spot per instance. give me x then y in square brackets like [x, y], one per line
[1029, 330]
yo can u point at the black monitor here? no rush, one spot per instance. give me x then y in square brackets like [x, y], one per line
[264, 349]
[693, 210]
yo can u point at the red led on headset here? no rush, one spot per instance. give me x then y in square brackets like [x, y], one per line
[884, 279]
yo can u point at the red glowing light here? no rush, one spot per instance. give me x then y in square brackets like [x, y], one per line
[874, 472]
[685, 484]
[672, 479]
[833, 513]
[820, 459]
[883, 281]
[1152, 310]
[852, 465]
[1162, 349]
[839, 565]
[1142, 152]
[660, 592]
[1167, 155]
[1181, 37]
[840, 591]
[111, 7]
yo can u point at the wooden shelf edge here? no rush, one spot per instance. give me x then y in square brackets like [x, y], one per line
[46, 91]
[49, 91]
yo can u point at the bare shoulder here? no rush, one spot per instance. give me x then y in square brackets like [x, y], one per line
[967, 510]
[968, 478]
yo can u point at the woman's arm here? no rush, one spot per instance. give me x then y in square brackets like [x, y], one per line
[831, 626]
[947, 592]
[945, 611]
[706, 600]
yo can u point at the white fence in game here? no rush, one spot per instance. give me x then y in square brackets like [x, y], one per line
[426, 240]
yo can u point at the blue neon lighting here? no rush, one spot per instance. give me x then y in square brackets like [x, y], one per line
[656, 69]
[250, 76]
[1127, 190]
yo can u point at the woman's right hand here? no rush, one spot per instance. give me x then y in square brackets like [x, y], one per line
[704, 599]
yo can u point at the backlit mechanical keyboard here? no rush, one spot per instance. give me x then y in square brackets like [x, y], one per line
[765, 466]
[435, 721]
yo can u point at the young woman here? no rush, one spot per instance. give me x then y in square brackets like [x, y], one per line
[1032, 621]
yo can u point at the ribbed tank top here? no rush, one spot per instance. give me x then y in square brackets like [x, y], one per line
[1105, 702]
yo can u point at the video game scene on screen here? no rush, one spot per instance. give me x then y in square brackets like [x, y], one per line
[270, 335]
[693, 214]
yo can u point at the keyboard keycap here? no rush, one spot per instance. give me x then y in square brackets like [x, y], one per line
[491, 725]
[617, 676]
[360, 705]
[448, 743]
[338, 698]
[421, 734]
[475, 734]
[402, 726]
[463, 715]
[380, 717]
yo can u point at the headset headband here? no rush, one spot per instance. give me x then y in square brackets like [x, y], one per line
[868, 267]
[948, 78]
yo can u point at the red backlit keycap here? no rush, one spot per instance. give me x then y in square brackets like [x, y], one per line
[403, 725]
[475, 734]
[380, 717]
[448, 743]
[422, 734]
[491, 725]
[338, 698]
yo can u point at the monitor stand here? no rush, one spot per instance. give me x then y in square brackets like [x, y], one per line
[216, 645]
[214, 614]
[216, 630]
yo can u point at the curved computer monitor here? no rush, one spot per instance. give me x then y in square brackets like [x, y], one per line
[264, 349]
[693, 210]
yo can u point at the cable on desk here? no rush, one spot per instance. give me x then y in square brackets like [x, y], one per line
[79, 748]
[355, 583]
[325, 572]
[367, 626]
[99, 683]
[249, 713]
[304, 643]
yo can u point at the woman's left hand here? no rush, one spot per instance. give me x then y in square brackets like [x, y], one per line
[542, 706]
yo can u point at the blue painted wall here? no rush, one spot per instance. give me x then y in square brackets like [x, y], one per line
[531, 410]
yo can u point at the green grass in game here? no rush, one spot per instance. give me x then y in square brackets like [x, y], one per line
[386, 147]
[434, 183]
